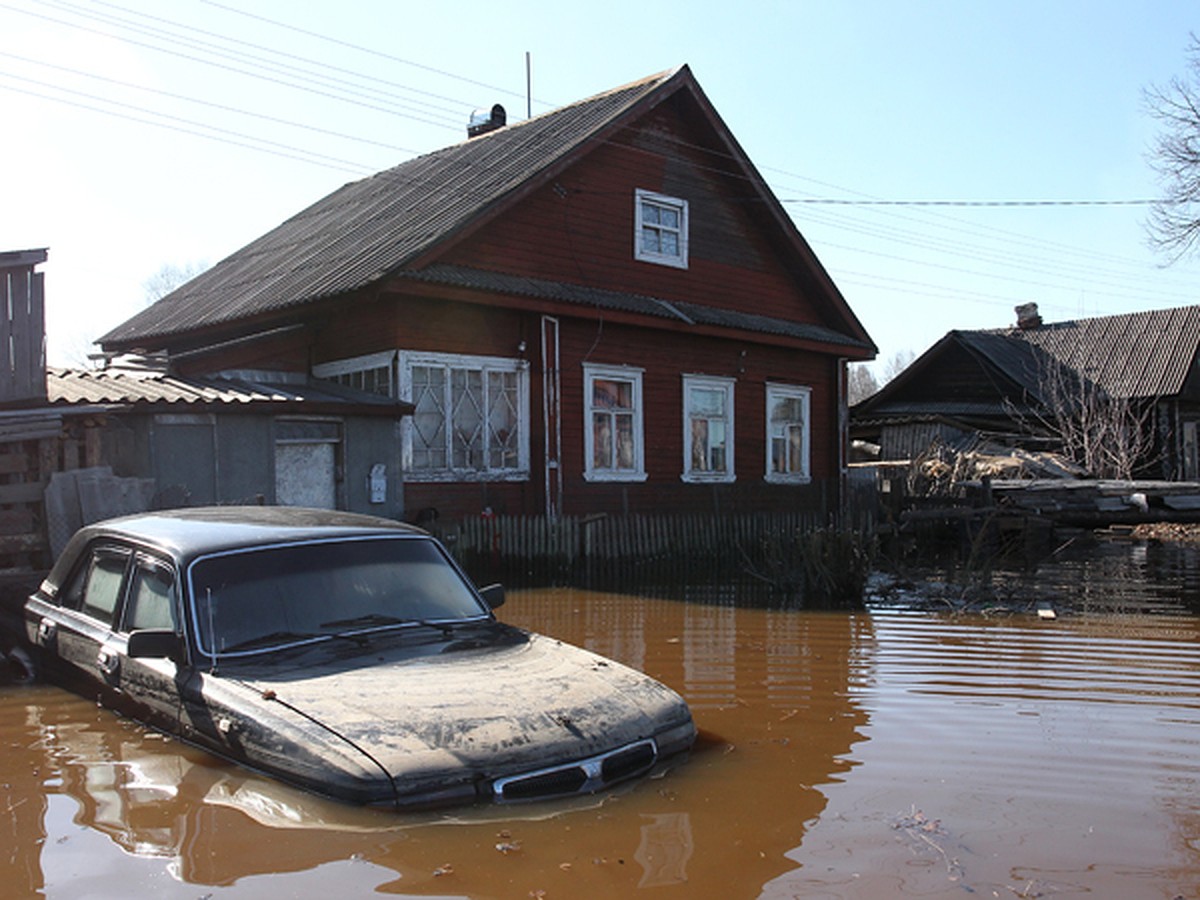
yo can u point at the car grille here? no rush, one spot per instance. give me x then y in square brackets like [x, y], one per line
[581, 777]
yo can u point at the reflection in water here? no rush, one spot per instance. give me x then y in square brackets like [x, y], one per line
[771, 695]
[877, 754]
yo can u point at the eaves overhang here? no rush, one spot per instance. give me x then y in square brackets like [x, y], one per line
[669, 313]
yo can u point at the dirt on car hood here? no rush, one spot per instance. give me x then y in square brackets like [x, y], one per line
[480, 713]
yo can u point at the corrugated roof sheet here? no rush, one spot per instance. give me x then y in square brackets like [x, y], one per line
[691, 313]
[1141, 354]
[126, 387]
[369, 228]
[1128, 356]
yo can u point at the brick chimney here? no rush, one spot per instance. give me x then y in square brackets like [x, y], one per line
[1027, 316]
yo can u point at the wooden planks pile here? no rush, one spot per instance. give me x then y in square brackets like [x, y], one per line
[1085, 502]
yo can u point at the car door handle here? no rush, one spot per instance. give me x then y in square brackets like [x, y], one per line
[46, 631]
[108, 661]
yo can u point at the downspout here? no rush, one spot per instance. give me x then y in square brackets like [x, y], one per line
[843, 440]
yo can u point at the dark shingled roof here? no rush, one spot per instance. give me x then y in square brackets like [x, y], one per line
[1142, 354]
[368, 229]
[1129, 356]
[392, 224]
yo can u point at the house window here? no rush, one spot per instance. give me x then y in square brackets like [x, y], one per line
[613, 424]
[471, 420]
[662, 229]
[788, 433]
[707, 428]
[374, 373]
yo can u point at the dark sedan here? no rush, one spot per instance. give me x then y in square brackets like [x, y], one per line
[345, 654]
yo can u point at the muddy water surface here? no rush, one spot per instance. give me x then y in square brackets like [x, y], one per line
[888, 753]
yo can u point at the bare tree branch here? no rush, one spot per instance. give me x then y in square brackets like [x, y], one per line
[1110, 437]
[1173, 223]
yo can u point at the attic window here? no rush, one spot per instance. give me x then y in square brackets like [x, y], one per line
[662, 229]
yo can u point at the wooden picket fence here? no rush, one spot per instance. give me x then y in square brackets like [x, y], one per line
[616, 550]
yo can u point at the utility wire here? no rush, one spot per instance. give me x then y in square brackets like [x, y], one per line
[198, 101]
[837, 201]
[271, 50]
[896, 235]
[359, 48]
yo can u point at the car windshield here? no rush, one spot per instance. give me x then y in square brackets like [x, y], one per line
[248, 601]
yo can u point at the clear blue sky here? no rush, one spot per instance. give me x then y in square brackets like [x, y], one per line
[142, 134]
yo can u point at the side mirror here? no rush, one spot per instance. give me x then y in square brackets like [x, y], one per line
[155, 643]
[493, 595]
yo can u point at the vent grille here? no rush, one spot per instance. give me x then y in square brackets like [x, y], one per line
[584, 776]
[628, 762]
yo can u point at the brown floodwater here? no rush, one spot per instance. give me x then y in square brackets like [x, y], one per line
[886, 753]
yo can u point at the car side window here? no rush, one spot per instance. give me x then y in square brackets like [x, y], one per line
[151, 602]
[96, 590]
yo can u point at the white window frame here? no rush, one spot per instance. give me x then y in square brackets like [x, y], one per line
[632, 375]
[644, 199]
[519, 471]
[692, 474]
[803, 393]
[400, 364]
[343, 371]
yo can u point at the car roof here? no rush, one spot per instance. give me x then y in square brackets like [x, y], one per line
[194, 531]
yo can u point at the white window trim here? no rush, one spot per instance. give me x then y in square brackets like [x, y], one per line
[621, 373]
[704, 477]
[354, 364]
[679, 261]
[400, 375]
[386, 359]
[409, 358]
[803, 393]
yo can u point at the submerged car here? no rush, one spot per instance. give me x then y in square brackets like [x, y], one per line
[345, 654]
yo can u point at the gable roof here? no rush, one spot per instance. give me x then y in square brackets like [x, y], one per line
[1128, 356]
[396, 220]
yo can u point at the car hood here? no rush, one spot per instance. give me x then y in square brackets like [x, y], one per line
[479, 714]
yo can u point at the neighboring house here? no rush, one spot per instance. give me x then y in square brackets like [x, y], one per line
[600, 309]
[1001, 384]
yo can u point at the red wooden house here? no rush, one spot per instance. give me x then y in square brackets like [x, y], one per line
[600, 309]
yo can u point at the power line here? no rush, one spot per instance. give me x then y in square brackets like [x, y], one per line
[361, 49]
[211, 105]
[222, 135]
[273, 51]
[837, 201]
[1034, 263]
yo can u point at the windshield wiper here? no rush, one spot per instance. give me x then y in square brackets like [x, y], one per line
[373, 619]
[262, 640]
[366, 621]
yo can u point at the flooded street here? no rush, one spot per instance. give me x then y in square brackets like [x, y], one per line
[895, 752]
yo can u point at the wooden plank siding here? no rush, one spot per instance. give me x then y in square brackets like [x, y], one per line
[25, 469]
[428, 324]
[22, 335]
[580, 230]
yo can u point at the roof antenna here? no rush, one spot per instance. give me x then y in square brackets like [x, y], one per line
[528, 86]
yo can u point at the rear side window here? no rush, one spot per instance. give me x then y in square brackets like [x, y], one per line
[96, 587]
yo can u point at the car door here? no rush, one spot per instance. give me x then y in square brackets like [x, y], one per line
[76, 635]
[149, 687]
